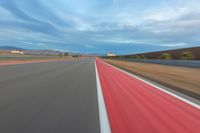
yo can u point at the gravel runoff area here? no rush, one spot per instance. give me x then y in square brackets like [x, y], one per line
[182, 79]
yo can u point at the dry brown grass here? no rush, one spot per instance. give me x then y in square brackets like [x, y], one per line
[182, 78]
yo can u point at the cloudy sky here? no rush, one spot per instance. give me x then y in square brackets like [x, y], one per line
[99, 26]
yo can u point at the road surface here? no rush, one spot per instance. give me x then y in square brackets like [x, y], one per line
[51, 97]
[63, 97]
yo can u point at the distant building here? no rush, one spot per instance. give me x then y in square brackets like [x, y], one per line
[16, 52]
[110, 54]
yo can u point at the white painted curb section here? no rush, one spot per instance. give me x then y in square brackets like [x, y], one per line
[157, 87]
[104, 122]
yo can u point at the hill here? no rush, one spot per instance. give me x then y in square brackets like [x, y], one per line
[8, 48]
[29, 52]
[176, 54]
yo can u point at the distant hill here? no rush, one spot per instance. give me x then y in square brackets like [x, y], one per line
[175, 54]
[8, 48]
[30, 52]
[42, 52]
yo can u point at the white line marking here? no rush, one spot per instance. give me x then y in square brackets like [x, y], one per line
[157, 87]
[104, 122]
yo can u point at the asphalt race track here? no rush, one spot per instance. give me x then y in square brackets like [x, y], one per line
[51, 97]
[88, 96]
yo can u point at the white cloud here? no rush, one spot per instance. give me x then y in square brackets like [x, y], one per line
[168, 13]
[174, 44]
[40, 44]
[5, 15]
[27, 42]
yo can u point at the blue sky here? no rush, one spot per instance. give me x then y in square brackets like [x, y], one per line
[100, 26]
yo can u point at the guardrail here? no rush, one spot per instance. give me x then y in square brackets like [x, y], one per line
[184, 63]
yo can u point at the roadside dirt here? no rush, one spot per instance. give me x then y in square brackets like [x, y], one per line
[182, 79]
[13, 62]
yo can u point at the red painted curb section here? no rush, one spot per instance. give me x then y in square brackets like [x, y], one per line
[136, 107]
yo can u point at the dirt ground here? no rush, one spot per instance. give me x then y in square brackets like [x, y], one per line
[12, 62]
[182, 79]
